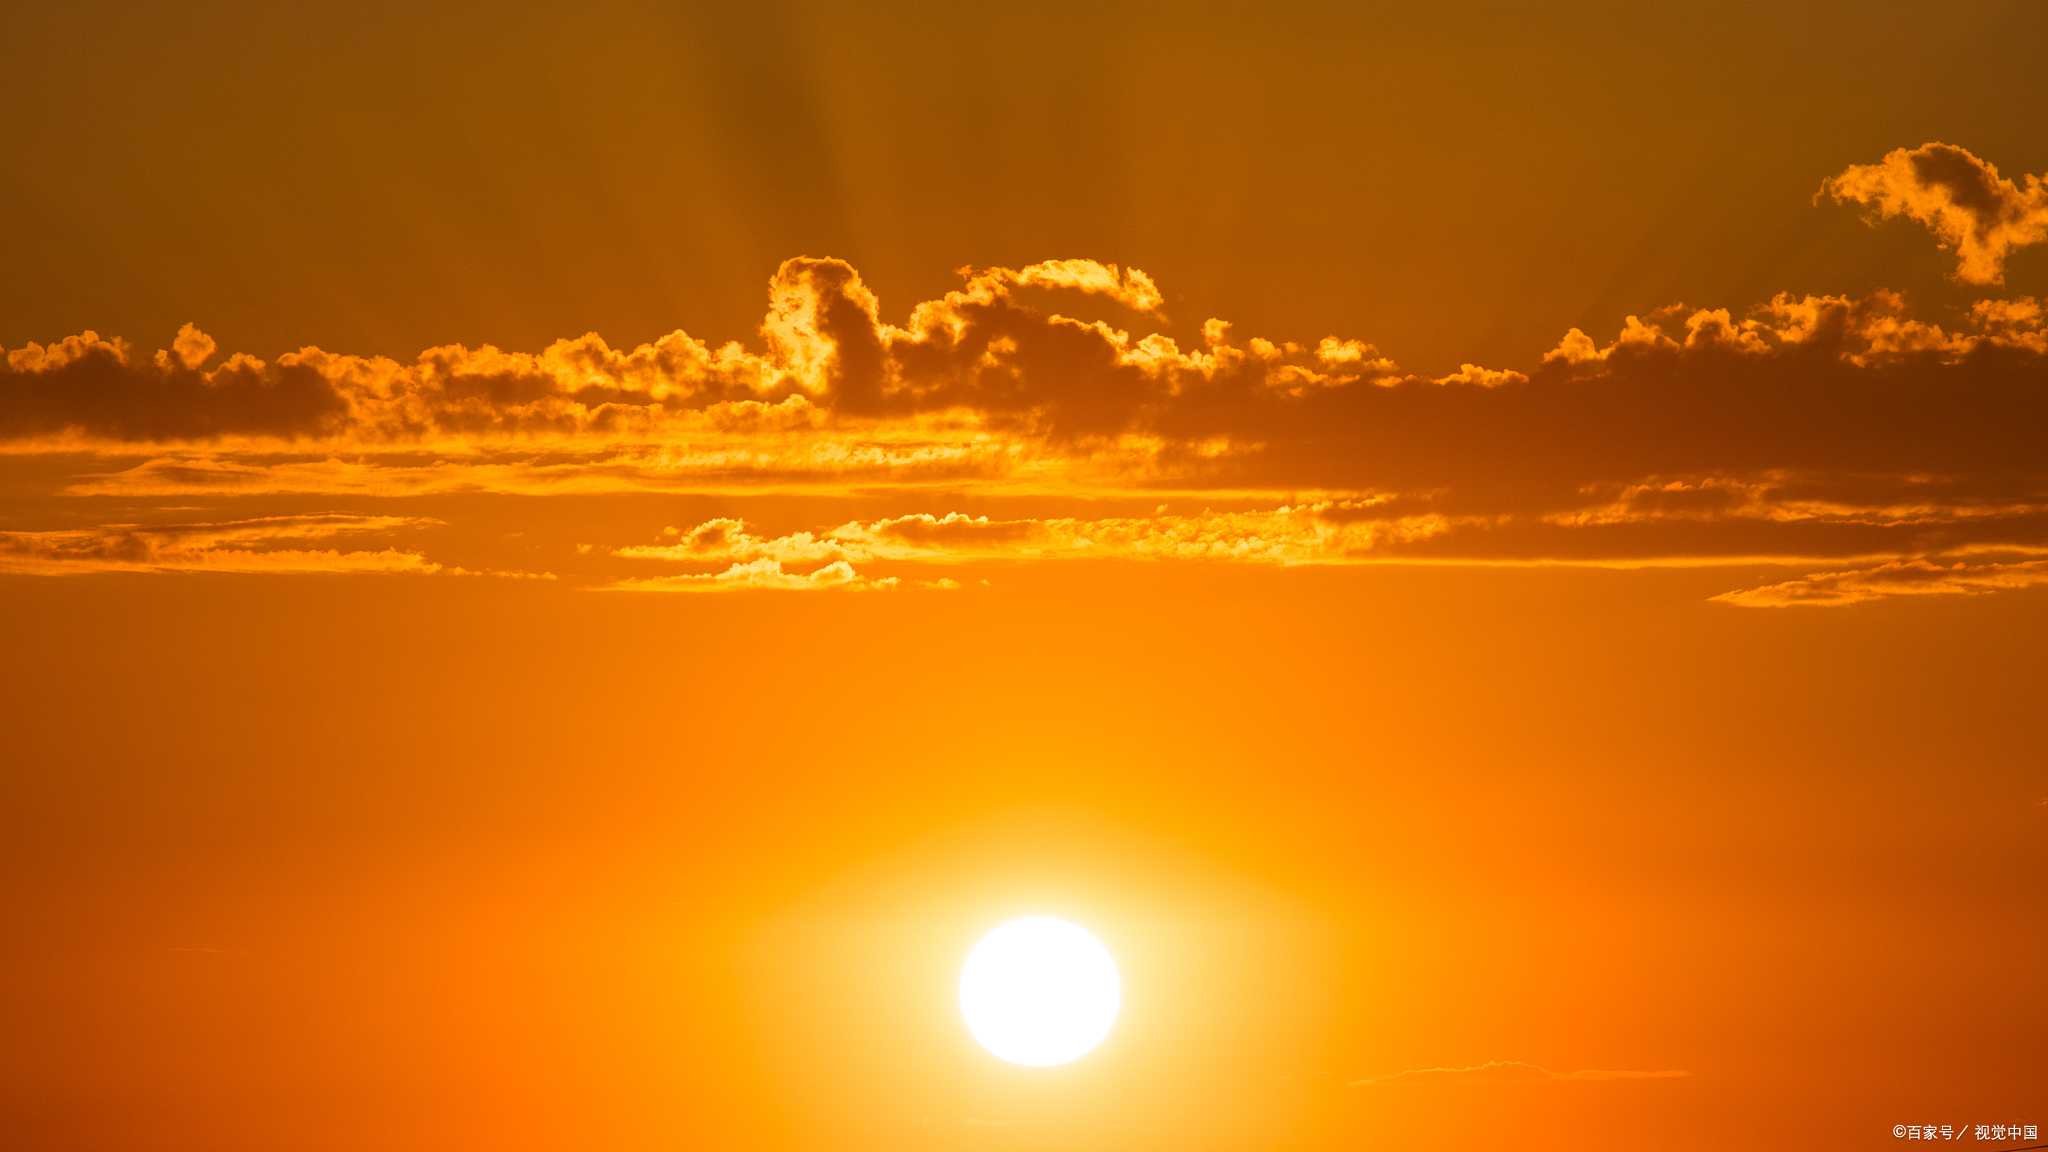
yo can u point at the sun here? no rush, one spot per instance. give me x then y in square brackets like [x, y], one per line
[1039, 991]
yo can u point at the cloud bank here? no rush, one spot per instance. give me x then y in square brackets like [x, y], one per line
[1850, 436]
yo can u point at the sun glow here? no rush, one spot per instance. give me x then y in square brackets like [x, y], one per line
[1039, 991]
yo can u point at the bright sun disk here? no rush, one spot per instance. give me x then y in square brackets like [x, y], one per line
[1039, 991]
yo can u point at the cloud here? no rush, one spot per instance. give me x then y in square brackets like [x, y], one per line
[1281, 537]
[232, 546]
[192, 347]
[1682, 522]
[1307, 534]
[1898, 578]
[981, 391]
[827, 353]
[1832, 432]
[757, 574]
[1961, 199]
[736, 466]
[1375, 531]
[1131, 288]
[1509, 1072]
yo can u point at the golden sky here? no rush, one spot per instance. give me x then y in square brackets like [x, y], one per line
[564, 565]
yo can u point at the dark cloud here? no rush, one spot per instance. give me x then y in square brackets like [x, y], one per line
[1816, 428]
[97, 388]
[1829, 390]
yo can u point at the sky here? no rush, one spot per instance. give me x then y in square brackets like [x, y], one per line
[563, 566]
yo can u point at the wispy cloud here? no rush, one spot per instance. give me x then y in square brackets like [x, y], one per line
[230, 546]
[1509, 1072]
[1361, 532]
[1898, 578]
[1325, 532]
[757, 574]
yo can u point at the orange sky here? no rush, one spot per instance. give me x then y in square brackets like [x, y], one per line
[1491, 559]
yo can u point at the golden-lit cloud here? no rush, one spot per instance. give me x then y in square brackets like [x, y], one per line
[976, 362]
[1832, 432]
[807, 463]
[752, 574]
[1764, 522]
[992, 395]
[1309, 534]
[1509, 1072]
[981, 390]
[1898, 578]
[1983, 216]
[231, 546]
